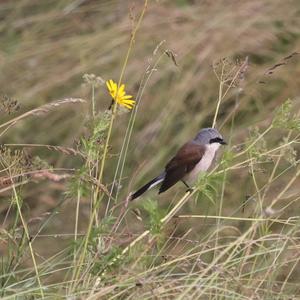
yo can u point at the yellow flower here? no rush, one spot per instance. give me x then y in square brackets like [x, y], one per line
[119, 94]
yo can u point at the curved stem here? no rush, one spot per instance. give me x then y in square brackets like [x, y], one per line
[133, 34]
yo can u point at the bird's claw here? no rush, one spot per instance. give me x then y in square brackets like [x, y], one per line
[189, 190]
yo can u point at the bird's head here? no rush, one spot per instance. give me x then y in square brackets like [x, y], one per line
[209, 136]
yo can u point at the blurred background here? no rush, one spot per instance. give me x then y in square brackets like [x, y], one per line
[47, 47]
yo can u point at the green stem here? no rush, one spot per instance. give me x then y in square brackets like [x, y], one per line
[29, 242]
[76, 273]
[133, 34]
[93, 101]
[220, 97]
[76, 221]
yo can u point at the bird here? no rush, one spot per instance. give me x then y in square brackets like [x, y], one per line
[192, 158]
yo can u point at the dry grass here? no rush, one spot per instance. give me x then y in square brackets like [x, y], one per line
[238, 238]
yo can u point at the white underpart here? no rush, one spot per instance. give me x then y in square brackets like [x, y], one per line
[204, 163]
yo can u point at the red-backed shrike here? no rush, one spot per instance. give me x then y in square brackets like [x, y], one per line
[192, 158]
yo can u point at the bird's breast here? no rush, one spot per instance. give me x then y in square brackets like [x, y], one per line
[202, 166]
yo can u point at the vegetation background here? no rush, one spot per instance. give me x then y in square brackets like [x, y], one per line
[62, 235]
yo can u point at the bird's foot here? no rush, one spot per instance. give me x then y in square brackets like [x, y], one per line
[189, 190]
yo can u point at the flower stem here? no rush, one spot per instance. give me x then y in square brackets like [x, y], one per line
[133, 34]
[29, 241]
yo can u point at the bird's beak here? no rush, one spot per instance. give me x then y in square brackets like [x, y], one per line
[223, 142]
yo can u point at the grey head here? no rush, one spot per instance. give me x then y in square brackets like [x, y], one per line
[209, 136]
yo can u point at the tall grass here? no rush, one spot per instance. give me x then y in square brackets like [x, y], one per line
[67, 229]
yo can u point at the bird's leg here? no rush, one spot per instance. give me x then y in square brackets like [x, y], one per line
[189, 188]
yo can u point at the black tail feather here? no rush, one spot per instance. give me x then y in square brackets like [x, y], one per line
[142, 190]
[145, 187]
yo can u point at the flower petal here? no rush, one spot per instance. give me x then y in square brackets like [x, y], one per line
[121, 91]
[129, 103]
[128, 106]
[127, 97]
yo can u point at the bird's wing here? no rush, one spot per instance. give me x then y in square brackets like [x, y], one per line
[182, 163]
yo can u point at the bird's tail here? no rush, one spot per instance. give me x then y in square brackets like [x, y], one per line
[154, 182]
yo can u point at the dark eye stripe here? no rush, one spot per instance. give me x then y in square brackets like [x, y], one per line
[215, 140]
